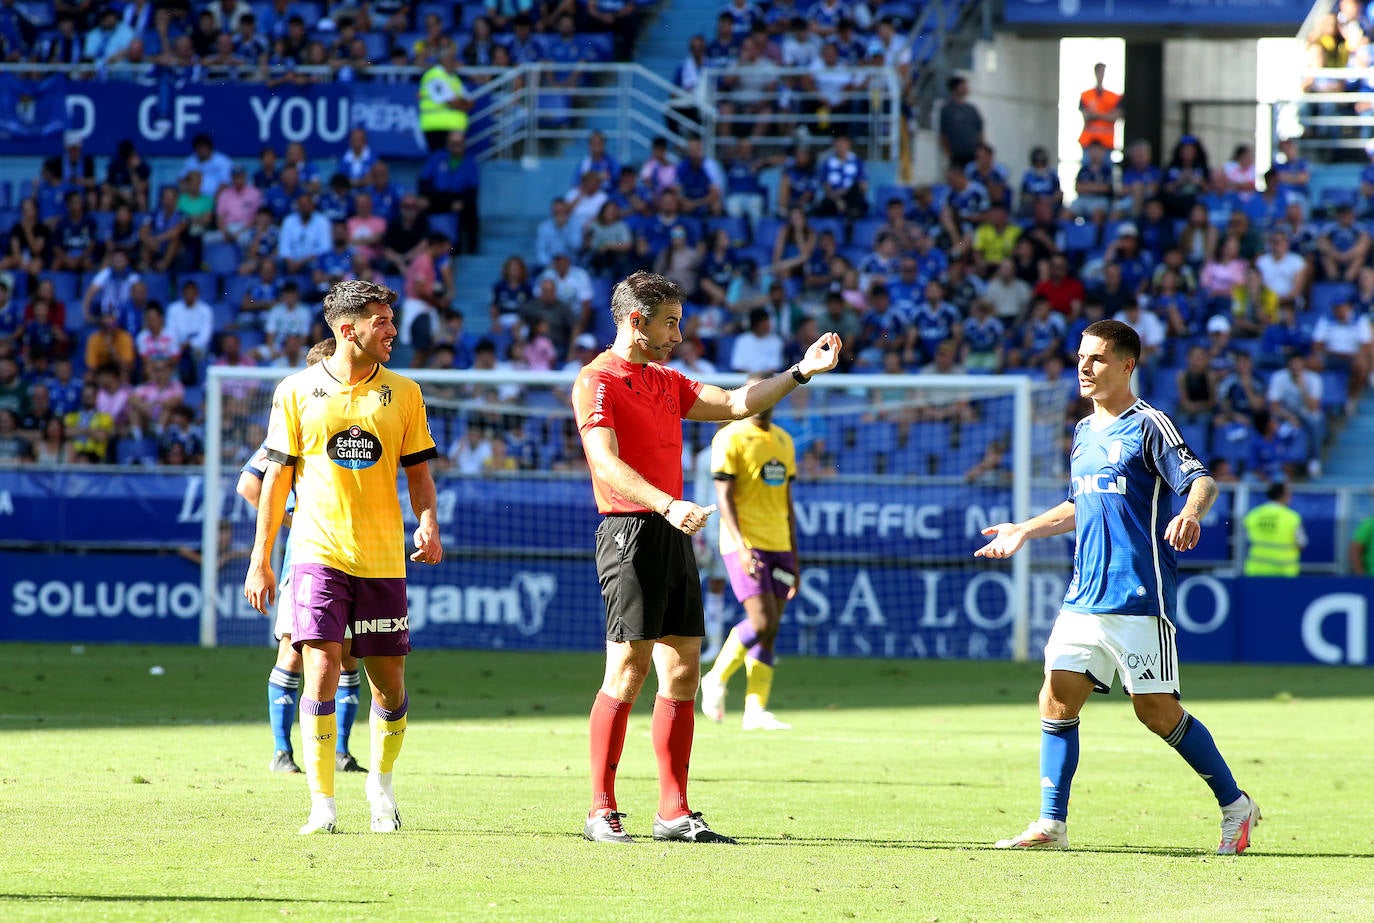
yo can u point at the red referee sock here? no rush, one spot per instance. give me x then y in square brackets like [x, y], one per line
[674, 724]
[609, 717]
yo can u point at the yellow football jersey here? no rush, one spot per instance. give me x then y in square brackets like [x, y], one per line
[346, 443]
[761, 463]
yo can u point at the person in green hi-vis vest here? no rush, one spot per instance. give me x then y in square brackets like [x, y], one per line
[444, 103]
[1362, 548]
[1274, 536]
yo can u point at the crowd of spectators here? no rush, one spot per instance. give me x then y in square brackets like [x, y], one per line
[1252, 303]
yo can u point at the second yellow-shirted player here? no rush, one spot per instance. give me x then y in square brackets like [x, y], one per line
[753, 463]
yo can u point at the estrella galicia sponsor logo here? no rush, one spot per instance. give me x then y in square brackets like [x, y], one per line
[774, 473]
[354, 448]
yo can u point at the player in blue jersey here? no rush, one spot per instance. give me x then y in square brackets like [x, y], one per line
[1117, 617]
[284, 682]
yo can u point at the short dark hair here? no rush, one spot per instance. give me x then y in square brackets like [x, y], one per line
[644, 292]
[1277, 490]
[1124, 341]
[349, 300]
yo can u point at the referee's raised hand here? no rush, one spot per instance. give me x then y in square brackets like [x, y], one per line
[686, 516]
[821, 356]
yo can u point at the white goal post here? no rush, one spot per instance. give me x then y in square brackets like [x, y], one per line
[899, 475]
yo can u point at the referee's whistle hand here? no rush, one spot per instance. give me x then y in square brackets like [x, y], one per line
[686, 516]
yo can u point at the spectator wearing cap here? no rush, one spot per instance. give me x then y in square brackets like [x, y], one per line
[215, 168]
[555, 234]
[305, 236]
[236, 205]
[449, 182]
[77, 168]
[758, 349]
[1136, 264]
[585, 349]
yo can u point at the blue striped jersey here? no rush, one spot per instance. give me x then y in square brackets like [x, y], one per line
[1121, 564]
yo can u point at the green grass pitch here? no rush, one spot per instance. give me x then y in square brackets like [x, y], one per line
[130, 796]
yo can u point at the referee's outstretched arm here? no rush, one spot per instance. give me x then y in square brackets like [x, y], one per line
[718, 404]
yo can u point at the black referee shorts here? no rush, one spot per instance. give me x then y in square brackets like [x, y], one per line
[649, 579]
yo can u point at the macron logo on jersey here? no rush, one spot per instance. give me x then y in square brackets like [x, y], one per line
[1099, 484]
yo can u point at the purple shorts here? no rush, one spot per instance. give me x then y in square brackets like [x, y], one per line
[745, 585]
[329, 601]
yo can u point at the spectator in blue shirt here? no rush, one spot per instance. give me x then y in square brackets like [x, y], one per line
[449, 181]
[1140, 179]
[75, 245]
[337, 202]
[356, 162]
[597, 160]
[555, 234]
[700, 182]
[723, 50]
[991, 175]
[1343, 247]
[1094, 185]
[934, 321]
[800, 184]
[1041, 181]
[745, 195]
[1293, 173]
[883, 328]
[844, 185]
[282, 197]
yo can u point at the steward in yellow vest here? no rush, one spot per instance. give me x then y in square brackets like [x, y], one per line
[1274, 536]
[444, 103]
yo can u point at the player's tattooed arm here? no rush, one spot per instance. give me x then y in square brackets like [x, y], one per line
[1201, 495]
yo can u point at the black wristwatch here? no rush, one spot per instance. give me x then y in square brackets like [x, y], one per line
[798, 377]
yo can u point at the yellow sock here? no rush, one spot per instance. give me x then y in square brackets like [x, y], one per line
[387, 736]
[317, 749]
[730, 658]
[760, 683]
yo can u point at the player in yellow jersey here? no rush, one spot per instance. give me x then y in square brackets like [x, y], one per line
[753, 463]
[344, 427]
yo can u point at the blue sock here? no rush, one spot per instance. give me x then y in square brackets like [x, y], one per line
[346, 705]
[1194, 743]
[1058, 763]
[283, 689]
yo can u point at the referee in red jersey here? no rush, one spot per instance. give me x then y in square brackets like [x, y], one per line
[629, 409]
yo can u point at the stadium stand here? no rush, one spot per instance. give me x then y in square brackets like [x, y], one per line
[715, 217]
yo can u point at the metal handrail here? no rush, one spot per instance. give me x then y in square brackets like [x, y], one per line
[876, 133]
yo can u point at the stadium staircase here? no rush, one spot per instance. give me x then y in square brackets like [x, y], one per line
[514, 200]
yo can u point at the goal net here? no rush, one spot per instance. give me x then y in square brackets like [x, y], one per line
[898, 475]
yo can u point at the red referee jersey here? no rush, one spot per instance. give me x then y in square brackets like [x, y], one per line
[644, 403]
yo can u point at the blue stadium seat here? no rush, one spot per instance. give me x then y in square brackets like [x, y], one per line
[957, 462]
[738, 228]
[40, 13]
[104, 224]
[136, 452]
[222, 258]
[854, 461]
[1293, 445]
[834, 225]
[767, 230]
[1326, 295]
[1079, 236]
[444, 224]
[865, 230]
[888, 192]
[9, 217]
[1334, 196]
[235, 287]
[6, 195]
[1232, 443]
[250, 338]
[1198, 436]
[876, 436]
[195, 398]
[225, 313]
[601, 45]
[1334, 385]
[66, 287]
[905, 13]
[377, 47]
[210, 287]
[910, 460]
[159, 287]
[443, 10]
